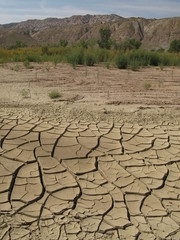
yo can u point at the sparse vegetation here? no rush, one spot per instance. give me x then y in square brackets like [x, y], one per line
[19, 44]
[85, 53]
[107, 65]
[54, 94]
[83, 44]
[26, 64]
[134, 65]
[15, 68]
[147, 85]
[45, 50]
[25, 93]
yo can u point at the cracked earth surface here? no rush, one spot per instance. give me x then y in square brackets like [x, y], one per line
[78, 179]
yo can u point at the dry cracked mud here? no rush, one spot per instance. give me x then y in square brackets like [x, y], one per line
[102, 162]
[78, 179]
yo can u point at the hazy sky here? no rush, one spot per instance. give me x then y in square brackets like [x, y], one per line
[19, 10]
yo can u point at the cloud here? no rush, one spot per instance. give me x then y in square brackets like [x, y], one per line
[142, 8]
[67, 10]
[41, 12]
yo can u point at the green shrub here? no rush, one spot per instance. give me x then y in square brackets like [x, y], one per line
[154, 59]
[107, 65]
[33, 58]
[56, 60]
[26, 64]
[63, 43]
[45, 50]
[164, 60]
[134, 65]
[55, 94]
[90, 60]
[25, 93]
[16, 58]
[18, 44]
[147, 85]
[121, 62]
[174, 46]
[130, 44]
[81, 55]
[76, 57]
[83, 44]
[102, 55]
[15, 68]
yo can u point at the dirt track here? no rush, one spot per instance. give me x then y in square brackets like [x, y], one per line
[83, 167]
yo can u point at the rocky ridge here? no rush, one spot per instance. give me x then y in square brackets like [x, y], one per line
[154, 33]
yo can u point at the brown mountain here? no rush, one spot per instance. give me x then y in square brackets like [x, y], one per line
[154, 33]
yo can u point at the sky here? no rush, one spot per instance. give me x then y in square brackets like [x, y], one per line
[21, 10]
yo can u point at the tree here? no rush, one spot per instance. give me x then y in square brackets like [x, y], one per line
[63, 43]
[20, 44]
[175, 46]
[105, 42]
[130, 44]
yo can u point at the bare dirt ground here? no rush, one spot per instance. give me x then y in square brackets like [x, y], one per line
[101, 162]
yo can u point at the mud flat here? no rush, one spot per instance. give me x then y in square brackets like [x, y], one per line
[88, 168]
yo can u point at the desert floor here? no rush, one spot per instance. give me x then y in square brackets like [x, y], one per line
[100, 162]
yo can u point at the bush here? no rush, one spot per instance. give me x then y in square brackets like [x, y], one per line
[56, 60]
[140, 56]
[25, 93]
[27, 64]
[107, 65]
[33, 58]
[147, 85]
[16, 58]
[45, 50]
[130, 44]
[134, 65]
[90, 60]
[121, 62]
[102, 55]
[76, 57]
[154, 59]
[174, 46]
[80, 55]
[83, 44]
[55, 94]
[19, 44]
[63, 43]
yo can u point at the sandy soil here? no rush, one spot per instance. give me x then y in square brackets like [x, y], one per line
[101, 162]
[90, 84]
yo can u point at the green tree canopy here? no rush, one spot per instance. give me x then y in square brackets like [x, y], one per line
[130, 44]
[105, 41]
[63, 43]
[174, 46]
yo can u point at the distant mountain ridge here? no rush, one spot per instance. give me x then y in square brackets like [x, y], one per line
[154, 33]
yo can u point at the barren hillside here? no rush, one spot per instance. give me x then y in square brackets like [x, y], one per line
[154, 33]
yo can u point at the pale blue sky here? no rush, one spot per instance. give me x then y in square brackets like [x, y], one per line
[19, 10]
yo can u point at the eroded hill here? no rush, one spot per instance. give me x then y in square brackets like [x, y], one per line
[154, 33]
